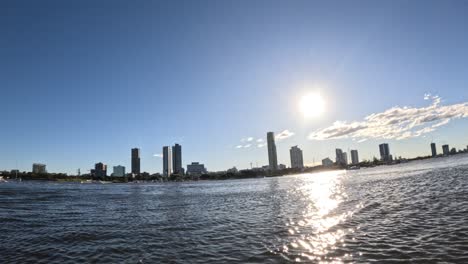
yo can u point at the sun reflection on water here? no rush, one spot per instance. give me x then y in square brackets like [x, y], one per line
[317, 235]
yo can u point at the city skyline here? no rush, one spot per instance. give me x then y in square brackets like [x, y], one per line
[304, 70]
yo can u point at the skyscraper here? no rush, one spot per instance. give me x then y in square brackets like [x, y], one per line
[177, 159]
[272, 158]
[445, 150]
[297, 161]
[167, 161]
[339, 157]
[354, 157]
[345, 158]
[433, 149]
[100, 169]
[384, 152]
[136, 161]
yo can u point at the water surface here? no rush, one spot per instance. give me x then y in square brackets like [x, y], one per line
[411, 212]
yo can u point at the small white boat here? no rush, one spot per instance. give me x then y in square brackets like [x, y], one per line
[104, 182]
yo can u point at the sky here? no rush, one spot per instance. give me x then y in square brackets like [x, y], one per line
[85, 81]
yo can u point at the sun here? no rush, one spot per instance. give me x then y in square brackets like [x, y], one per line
[312, 105]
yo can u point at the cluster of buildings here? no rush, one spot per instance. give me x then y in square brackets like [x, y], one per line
[445, 150]
[172, 164]
[172, 160]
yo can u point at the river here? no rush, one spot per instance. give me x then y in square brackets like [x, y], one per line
[416, 211]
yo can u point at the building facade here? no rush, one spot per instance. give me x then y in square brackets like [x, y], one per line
[272, 157]
[136, 161]
[39, 168]
[297, 161]
[445, 149]
[167, 161]
[100, 169]
[354, 157]
[339, 157]
[344, 158]
[433, 150]
[177, 159]
[384, 152]
[327, 162]
[119, 171]
[196, 169]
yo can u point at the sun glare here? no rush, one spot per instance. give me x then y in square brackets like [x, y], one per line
[312, 105]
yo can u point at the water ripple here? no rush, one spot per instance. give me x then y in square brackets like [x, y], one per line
[416, 212]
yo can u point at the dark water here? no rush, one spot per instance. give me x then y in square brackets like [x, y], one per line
[413, 212]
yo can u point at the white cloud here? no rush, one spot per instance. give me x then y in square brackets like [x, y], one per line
[239, 146]
[158, 155]
[284, 134]
[396, 122]
[260, 140]
[250, 139]
[247, 145]
[260, 145]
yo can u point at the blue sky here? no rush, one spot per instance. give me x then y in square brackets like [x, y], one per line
[85, 81]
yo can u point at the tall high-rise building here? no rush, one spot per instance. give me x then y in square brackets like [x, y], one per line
[272, 158]
[177, 159]
[167, 161]
[433, 149]
[136, 161]
[100, 169]
[445, 149]
[339, 157]
[354, 157]
[297, 161]
[384, 152]
[345, 158]
[39, 168]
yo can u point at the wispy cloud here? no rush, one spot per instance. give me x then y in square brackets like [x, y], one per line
[248, 142]
[158, 155]
[247, 139]
[284, 134]
[243, 146]
[396, 122]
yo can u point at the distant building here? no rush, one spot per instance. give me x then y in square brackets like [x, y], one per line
[39, 168]
[100, 169]
[272, 157]
[119, 171]
[135, 161]
[177, 159]
[453, 151]
[385, 153]
[281, 167]
[354, 157]
[345, 158]
[297, 161]
[445, 150]
[167, 161]
[433, 149]
[327, 162]
[341, 158]
[196, 169]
